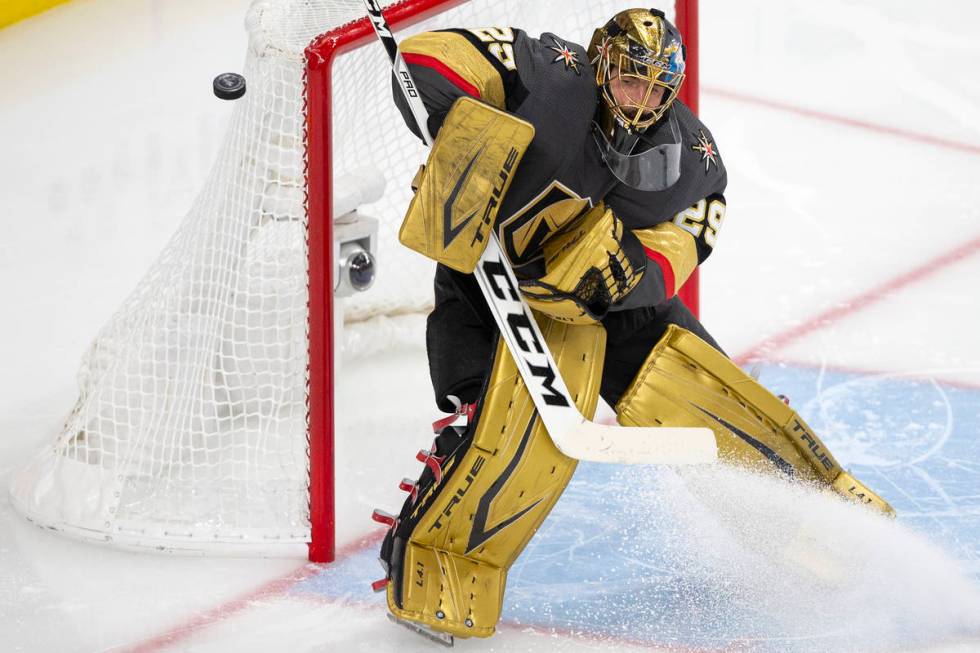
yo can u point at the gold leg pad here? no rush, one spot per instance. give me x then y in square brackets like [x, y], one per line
[687, 382]
[853, 489]
[450, 592]
[469, 529]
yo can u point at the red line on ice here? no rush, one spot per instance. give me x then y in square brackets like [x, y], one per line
[864, 300]
[843, 120]
[281, 586]
[271, 589]
[546, 630]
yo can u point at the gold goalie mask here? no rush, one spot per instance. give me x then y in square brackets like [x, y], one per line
[638, 57]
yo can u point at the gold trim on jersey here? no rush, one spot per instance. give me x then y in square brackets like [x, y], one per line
[673, 243]
[463, 58]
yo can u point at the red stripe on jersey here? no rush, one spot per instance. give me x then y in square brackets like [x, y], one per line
[451, 75]
[665, 268]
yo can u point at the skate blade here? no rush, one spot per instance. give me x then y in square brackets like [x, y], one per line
[439, 638]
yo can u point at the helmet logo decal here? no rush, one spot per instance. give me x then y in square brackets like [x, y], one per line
[602, 50]
[566, 55]
[707, 150]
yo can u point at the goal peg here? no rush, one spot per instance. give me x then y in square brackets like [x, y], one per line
[229, 86]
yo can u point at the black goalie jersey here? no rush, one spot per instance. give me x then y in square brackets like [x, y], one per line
[550, 83]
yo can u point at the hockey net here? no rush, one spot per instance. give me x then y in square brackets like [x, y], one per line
[192, 427]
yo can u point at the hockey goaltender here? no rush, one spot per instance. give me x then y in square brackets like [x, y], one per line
[612, 196]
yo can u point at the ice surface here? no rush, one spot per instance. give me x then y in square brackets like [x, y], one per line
[108, 129]
[724, 560]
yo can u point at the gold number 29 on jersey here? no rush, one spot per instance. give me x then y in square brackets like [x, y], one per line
[499, 42]
[705, 217]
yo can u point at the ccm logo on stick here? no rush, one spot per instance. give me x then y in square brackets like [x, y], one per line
[519, 324]
[374, 13]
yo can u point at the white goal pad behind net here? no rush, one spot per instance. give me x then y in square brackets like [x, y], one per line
[190, 432]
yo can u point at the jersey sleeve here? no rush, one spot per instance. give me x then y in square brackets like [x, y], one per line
[674, 249]
[448, 64]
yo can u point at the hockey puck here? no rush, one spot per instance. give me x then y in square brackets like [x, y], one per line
[229, 86]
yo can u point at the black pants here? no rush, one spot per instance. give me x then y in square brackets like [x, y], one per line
[461, 336]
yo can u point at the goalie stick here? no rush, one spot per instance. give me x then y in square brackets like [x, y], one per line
[572, 433]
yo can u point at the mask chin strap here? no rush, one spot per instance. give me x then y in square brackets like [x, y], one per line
[654, 169]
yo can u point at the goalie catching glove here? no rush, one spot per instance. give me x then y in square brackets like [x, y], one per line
[590, 266]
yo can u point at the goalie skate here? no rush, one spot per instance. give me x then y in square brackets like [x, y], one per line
[439, 638]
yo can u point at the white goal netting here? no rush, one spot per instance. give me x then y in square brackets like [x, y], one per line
[190, 429]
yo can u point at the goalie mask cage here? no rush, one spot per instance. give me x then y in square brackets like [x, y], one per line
[205, 417]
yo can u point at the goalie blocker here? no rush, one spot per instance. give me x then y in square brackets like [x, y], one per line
[451, 214]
